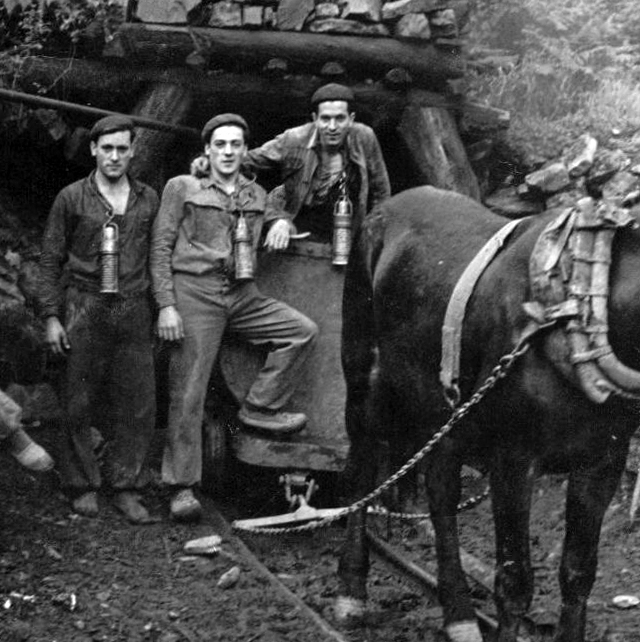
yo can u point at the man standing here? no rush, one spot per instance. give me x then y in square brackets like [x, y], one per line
[98, 316]
[201, 293]
[318, 163]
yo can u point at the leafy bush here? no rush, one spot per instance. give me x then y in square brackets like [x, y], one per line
[63, 26]
[576, 69]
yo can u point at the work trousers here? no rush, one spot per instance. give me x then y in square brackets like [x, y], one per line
[109, 383]
[210, 305]
[10, 416]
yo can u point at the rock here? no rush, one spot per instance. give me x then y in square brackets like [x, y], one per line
[525, 192]
[230, 578]
[269, 18]
[327, 10]
[333, 69]
[605, 165]
[621, 188]
[197, 60]
[398, 77]
[208, 545]
[353, 27]
[413, 25]
[443, 23]
[292, 14]
[549, 179]
[276, 67]
[252, 16]
[399, 8]
[225, 14]
[568, 197]
[506, 202]
[173, 12]
[368, 10]
[580, 156]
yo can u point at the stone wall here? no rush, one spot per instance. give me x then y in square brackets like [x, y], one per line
[403, 19]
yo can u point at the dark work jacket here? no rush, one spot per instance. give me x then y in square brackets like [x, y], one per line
[296, 153]
[71, 242]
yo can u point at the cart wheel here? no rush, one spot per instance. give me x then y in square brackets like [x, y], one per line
[215, 455]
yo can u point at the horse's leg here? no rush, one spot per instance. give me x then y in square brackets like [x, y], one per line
[353, 566]
[443, 489]
[512, 480]
[359, 362]
[588, 497]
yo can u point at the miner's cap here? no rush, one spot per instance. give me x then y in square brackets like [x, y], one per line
[332, 91]
[111, 124]
[224, 119]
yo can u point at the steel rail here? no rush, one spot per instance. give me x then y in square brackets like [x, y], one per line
[425, 579]
[224, 529]
[62, 105]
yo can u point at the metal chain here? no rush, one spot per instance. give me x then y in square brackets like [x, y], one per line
[498, 372]
[467, 504]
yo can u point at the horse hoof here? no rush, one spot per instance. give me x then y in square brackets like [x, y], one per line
[348, 609]
[467, 631]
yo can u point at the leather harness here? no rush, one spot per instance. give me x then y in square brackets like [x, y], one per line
[569, 276]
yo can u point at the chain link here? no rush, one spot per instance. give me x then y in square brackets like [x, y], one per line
[497, 373]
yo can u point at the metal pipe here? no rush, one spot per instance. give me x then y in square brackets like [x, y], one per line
[63, 105]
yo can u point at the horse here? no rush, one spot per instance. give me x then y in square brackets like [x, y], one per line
[566, 405]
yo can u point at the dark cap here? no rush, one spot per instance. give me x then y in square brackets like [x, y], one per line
[111, 124]
[332, 91]
[224, 119]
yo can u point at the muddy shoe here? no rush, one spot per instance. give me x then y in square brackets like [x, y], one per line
[30, 454]
[185, 507]
[273, 422]
[86, 504]
[130, 505]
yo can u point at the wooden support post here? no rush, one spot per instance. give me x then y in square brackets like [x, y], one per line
[431, 136]
[166, 102]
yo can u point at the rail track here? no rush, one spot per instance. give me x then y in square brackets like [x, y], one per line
[403, 602]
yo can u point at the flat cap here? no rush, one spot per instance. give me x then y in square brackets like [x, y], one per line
[332, 91]
[109, 125]
[224, 119]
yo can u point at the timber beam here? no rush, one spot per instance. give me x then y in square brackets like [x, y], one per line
[242, 50]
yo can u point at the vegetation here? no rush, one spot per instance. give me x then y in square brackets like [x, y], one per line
[68, 27]
[560, 68]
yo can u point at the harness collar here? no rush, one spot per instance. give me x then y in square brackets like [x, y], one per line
[569, 276]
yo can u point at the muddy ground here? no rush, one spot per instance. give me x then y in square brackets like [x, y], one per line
[71, 579]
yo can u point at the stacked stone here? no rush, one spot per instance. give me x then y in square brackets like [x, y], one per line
[405, 19]
[584, 169]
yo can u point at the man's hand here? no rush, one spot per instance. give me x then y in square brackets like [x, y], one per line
[170, 326]
[200, 166]
[278, 235]
[56, 336]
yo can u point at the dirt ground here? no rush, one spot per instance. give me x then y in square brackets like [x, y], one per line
[70, 579]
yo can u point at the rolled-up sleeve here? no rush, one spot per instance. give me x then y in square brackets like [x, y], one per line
[268, 156]
[53, 258]
[163, 240]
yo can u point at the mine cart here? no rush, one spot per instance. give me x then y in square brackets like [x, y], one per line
[304, 277]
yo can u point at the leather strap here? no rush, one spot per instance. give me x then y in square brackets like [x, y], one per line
[456, 308]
